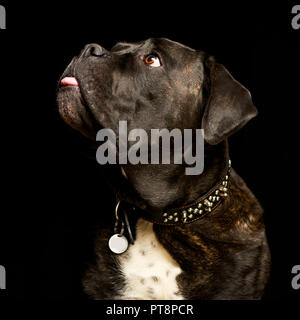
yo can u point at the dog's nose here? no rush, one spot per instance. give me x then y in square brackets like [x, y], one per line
[93, 49]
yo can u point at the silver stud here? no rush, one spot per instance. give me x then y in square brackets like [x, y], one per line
[170, 218]
[217, 192]
[229, 163]
[190, 209]
[225, 194]
[208, 209]
[200, 211]
[166, 220]
[213, 199]
[207, 203]
[176, 219]
[190, 216]
[199, 205]
[217, 198]
[226, 178]
[175, 214]
[165, 214]
[184, 213]
[196, 210]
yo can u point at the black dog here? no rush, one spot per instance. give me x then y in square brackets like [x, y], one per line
[196, 236]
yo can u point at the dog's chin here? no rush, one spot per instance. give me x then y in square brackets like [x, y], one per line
[74, 111]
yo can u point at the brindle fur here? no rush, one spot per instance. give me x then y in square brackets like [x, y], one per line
[222, 256]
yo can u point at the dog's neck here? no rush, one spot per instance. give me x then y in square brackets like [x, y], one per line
[162, 188]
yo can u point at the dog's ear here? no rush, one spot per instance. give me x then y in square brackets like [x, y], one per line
[229, 106]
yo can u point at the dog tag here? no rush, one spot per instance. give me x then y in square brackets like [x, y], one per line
[118, 244]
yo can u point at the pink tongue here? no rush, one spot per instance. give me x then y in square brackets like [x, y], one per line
[69, 81]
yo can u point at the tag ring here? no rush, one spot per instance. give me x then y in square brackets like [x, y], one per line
[118, 219]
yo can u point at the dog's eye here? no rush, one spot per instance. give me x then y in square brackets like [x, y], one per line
[152, 60]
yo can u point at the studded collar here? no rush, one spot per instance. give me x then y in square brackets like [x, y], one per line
[192, 212]
[174, 217]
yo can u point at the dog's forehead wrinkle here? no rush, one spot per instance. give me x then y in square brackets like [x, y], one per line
[126, 47]
[173, 43]
[141, 47]
[164, 44]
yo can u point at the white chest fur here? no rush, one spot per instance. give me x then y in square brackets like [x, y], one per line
[149, 270]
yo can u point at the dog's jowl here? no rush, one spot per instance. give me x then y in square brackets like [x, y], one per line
[197, 236]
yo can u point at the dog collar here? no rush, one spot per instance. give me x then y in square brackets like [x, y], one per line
[118, 243]
[197, 210]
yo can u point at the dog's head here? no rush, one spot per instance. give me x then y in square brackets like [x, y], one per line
[155, 83]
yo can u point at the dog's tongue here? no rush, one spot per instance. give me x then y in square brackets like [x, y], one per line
[69, 81]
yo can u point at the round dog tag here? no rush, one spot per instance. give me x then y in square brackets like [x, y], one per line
[118, 244]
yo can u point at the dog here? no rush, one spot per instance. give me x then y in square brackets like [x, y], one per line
[191, 236]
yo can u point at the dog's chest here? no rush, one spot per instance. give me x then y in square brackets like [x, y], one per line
[149, 270]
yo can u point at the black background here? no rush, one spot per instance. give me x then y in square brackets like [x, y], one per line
[52, 192]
